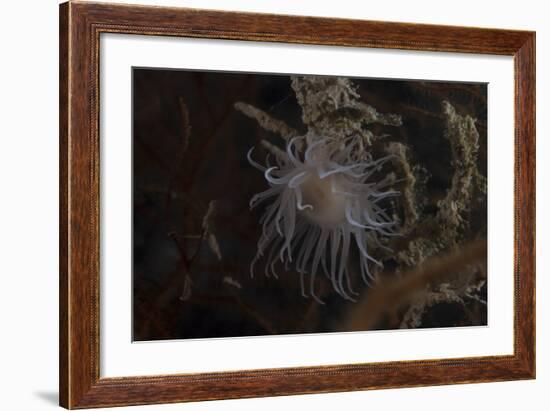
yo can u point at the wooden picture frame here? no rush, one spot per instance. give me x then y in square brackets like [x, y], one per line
[81, 24]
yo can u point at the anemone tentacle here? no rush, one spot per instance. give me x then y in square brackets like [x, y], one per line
[321, 200]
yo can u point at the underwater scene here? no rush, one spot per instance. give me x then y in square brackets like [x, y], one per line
[269, 204]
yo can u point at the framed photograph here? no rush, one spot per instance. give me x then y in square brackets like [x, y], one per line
[259, 205]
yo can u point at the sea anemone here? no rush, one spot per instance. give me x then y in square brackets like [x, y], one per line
[321, 201]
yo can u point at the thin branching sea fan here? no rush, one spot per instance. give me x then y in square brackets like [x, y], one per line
[323, 201]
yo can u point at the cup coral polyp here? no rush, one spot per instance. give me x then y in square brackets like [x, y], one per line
[321, 203]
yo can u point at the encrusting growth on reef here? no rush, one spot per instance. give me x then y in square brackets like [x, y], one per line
[341, 150]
